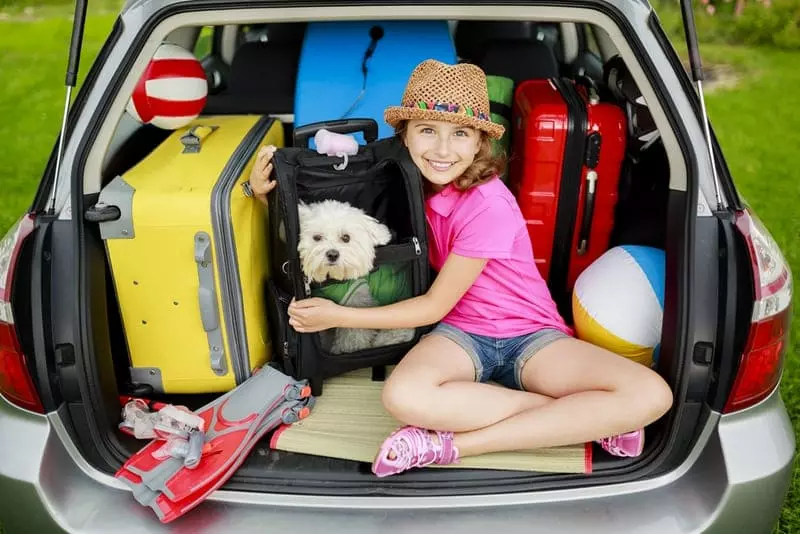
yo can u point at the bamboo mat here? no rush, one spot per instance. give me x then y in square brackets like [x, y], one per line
[348, 422]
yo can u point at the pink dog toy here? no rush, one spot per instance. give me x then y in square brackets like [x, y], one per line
[336, 144]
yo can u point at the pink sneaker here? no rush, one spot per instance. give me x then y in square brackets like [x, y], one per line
[414, 447]
[629, 445]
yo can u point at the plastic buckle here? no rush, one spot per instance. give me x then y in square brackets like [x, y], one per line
[341, 166]
[192, 139]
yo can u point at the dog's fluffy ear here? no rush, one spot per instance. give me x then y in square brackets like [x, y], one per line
[378, 233]
[303, 210]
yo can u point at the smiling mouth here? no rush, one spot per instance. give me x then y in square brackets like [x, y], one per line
[440, 166]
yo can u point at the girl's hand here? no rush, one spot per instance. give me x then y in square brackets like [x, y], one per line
[259, 176]
[314, 314]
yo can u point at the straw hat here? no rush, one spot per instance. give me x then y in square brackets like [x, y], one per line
[442, 92]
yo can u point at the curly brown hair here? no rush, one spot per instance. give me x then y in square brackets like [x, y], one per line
[485, 166]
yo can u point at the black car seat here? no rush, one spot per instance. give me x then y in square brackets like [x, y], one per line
[262, 74]
[472, 35]
[517, 59]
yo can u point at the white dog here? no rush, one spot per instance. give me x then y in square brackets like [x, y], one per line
[337, 242]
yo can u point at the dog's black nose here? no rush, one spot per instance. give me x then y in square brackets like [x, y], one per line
[332, 255]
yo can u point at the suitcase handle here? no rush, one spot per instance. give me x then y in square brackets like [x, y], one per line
[368, 126]
[588, 211]
[207, 300]
[193, 139]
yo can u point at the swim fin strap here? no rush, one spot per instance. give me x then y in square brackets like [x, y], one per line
[234, 423]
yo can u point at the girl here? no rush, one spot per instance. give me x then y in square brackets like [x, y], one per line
[496, 318]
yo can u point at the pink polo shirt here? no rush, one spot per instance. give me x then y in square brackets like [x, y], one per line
[509, 298]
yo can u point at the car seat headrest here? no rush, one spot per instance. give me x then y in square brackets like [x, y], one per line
[617, 78]
[278, 32]
[518, 59]
[472, 35]
[264, 68]
[261, 79]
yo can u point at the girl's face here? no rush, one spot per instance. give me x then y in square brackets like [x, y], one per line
[441, 150]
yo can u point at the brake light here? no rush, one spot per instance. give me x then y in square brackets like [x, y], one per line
[762, 360]
[16, 383]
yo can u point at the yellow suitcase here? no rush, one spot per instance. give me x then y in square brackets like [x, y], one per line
[189, 257]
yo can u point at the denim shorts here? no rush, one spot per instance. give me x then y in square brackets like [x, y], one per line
[499, 359]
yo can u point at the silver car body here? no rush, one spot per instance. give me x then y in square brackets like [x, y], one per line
[734, 480]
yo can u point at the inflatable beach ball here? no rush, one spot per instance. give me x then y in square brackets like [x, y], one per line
[172, 90]
[618, 302]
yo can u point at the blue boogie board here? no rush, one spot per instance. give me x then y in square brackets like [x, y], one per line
[330, 77]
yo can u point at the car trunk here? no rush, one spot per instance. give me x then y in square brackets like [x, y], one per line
[272, 470]
[648, 213]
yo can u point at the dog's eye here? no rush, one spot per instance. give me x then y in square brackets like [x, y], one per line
[317, 237]
[345, 238]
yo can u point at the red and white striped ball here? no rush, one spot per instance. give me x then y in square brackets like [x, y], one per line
[172, 90]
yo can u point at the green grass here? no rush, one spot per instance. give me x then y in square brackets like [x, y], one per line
[34, 55]
[756, 123]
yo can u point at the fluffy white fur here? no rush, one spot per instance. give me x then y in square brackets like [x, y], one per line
[337, 242]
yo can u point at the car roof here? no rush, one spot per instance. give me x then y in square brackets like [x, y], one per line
[153, 6]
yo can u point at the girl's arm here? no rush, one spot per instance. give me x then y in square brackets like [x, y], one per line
[456, 276]
[259, 180]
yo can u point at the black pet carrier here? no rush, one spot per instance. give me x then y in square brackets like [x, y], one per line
[382, 181]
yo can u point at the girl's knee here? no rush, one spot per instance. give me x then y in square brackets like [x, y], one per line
[404, 399]
[652, 393]
[662, 396]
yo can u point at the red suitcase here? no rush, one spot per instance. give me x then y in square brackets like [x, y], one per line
[567, 157]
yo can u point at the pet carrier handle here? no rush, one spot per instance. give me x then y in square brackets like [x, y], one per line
[368, 126]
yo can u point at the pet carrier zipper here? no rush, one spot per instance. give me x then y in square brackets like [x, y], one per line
[413, 195]
[332, 183]
[416, 201]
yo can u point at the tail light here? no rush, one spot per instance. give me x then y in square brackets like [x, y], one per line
[767, 341]
[16, 383]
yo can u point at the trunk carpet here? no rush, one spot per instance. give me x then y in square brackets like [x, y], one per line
[349, 422]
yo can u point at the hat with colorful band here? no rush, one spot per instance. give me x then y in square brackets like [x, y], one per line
[442, 92]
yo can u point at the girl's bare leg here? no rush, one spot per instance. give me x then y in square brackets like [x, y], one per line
[597, 394]
[433, 387]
